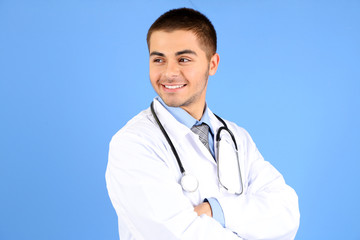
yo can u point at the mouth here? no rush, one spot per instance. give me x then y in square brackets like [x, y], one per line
[174, 86]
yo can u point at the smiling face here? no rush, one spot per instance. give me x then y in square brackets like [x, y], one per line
[179, 70]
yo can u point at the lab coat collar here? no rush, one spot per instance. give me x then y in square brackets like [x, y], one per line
[185, 118]
[179, 114]
[171, 125]
[177, 129]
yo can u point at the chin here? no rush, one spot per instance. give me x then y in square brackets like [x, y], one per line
[173, 104]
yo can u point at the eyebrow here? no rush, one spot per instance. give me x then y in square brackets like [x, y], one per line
[157, 54]
[186, 51]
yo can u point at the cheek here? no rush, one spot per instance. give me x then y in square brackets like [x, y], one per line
[189, 73]
[196, 74]
[154, 75]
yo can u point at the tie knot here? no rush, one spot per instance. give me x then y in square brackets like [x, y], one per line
[203, 131]
[200, 129]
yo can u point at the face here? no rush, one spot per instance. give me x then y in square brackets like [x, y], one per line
[179, 70]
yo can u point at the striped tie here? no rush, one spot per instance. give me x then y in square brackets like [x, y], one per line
[203, 131]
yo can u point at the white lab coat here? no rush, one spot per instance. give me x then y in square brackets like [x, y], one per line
[142, 178]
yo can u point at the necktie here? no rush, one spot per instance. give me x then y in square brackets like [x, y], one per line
[203, 131]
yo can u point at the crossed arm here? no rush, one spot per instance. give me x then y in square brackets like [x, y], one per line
[152, 204]
[203, 208]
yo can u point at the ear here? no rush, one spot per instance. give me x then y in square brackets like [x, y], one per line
[214, 63]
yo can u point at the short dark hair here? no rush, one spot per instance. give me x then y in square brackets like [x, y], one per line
[190, 20]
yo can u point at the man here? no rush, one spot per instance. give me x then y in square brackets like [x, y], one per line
[145, 178]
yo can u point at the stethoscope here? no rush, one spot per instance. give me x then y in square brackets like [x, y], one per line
[188, 181]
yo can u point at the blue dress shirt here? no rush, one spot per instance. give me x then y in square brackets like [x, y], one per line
[185, 118]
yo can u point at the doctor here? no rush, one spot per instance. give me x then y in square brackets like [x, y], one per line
[234, 194]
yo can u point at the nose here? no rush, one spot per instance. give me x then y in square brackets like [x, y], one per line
[172, 70]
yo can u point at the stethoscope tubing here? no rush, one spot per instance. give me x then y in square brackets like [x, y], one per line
[182, 170]
[188, 178]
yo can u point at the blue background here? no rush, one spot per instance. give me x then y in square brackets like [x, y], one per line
[73, 72]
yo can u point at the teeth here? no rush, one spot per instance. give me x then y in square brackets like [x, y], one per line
[174, 87]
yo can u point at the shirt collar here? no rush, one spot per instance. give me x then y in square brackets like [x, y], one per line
[185, 118]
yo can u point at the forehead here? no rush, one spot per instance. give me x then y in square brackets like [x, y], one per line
[174, 41]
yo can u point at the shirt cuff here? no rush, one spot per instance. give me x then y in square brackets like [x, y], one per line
[216, 209]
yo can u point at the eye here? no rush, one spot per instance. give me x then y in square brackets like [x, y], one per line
[184, 60]
[158, 60]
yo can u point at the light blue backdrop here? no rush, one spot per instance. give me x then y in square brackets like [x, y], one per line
[73, 72]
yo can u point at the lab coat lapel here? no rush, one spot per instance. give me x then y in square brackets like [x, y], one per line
[216, 124]
[177, 131]
[195, 157]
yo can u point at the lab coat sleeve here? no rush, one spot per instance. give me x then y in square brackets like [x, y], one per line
[148, 200]
[269, 208]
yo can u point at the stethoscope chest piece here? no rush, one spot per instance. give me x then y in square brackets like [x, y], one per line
[189, 182]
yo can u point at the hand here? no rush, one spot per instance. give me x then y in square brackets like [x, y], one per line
[203, 208]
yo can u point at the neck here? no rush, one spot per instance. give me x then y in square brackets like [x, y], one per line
[195, 112]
